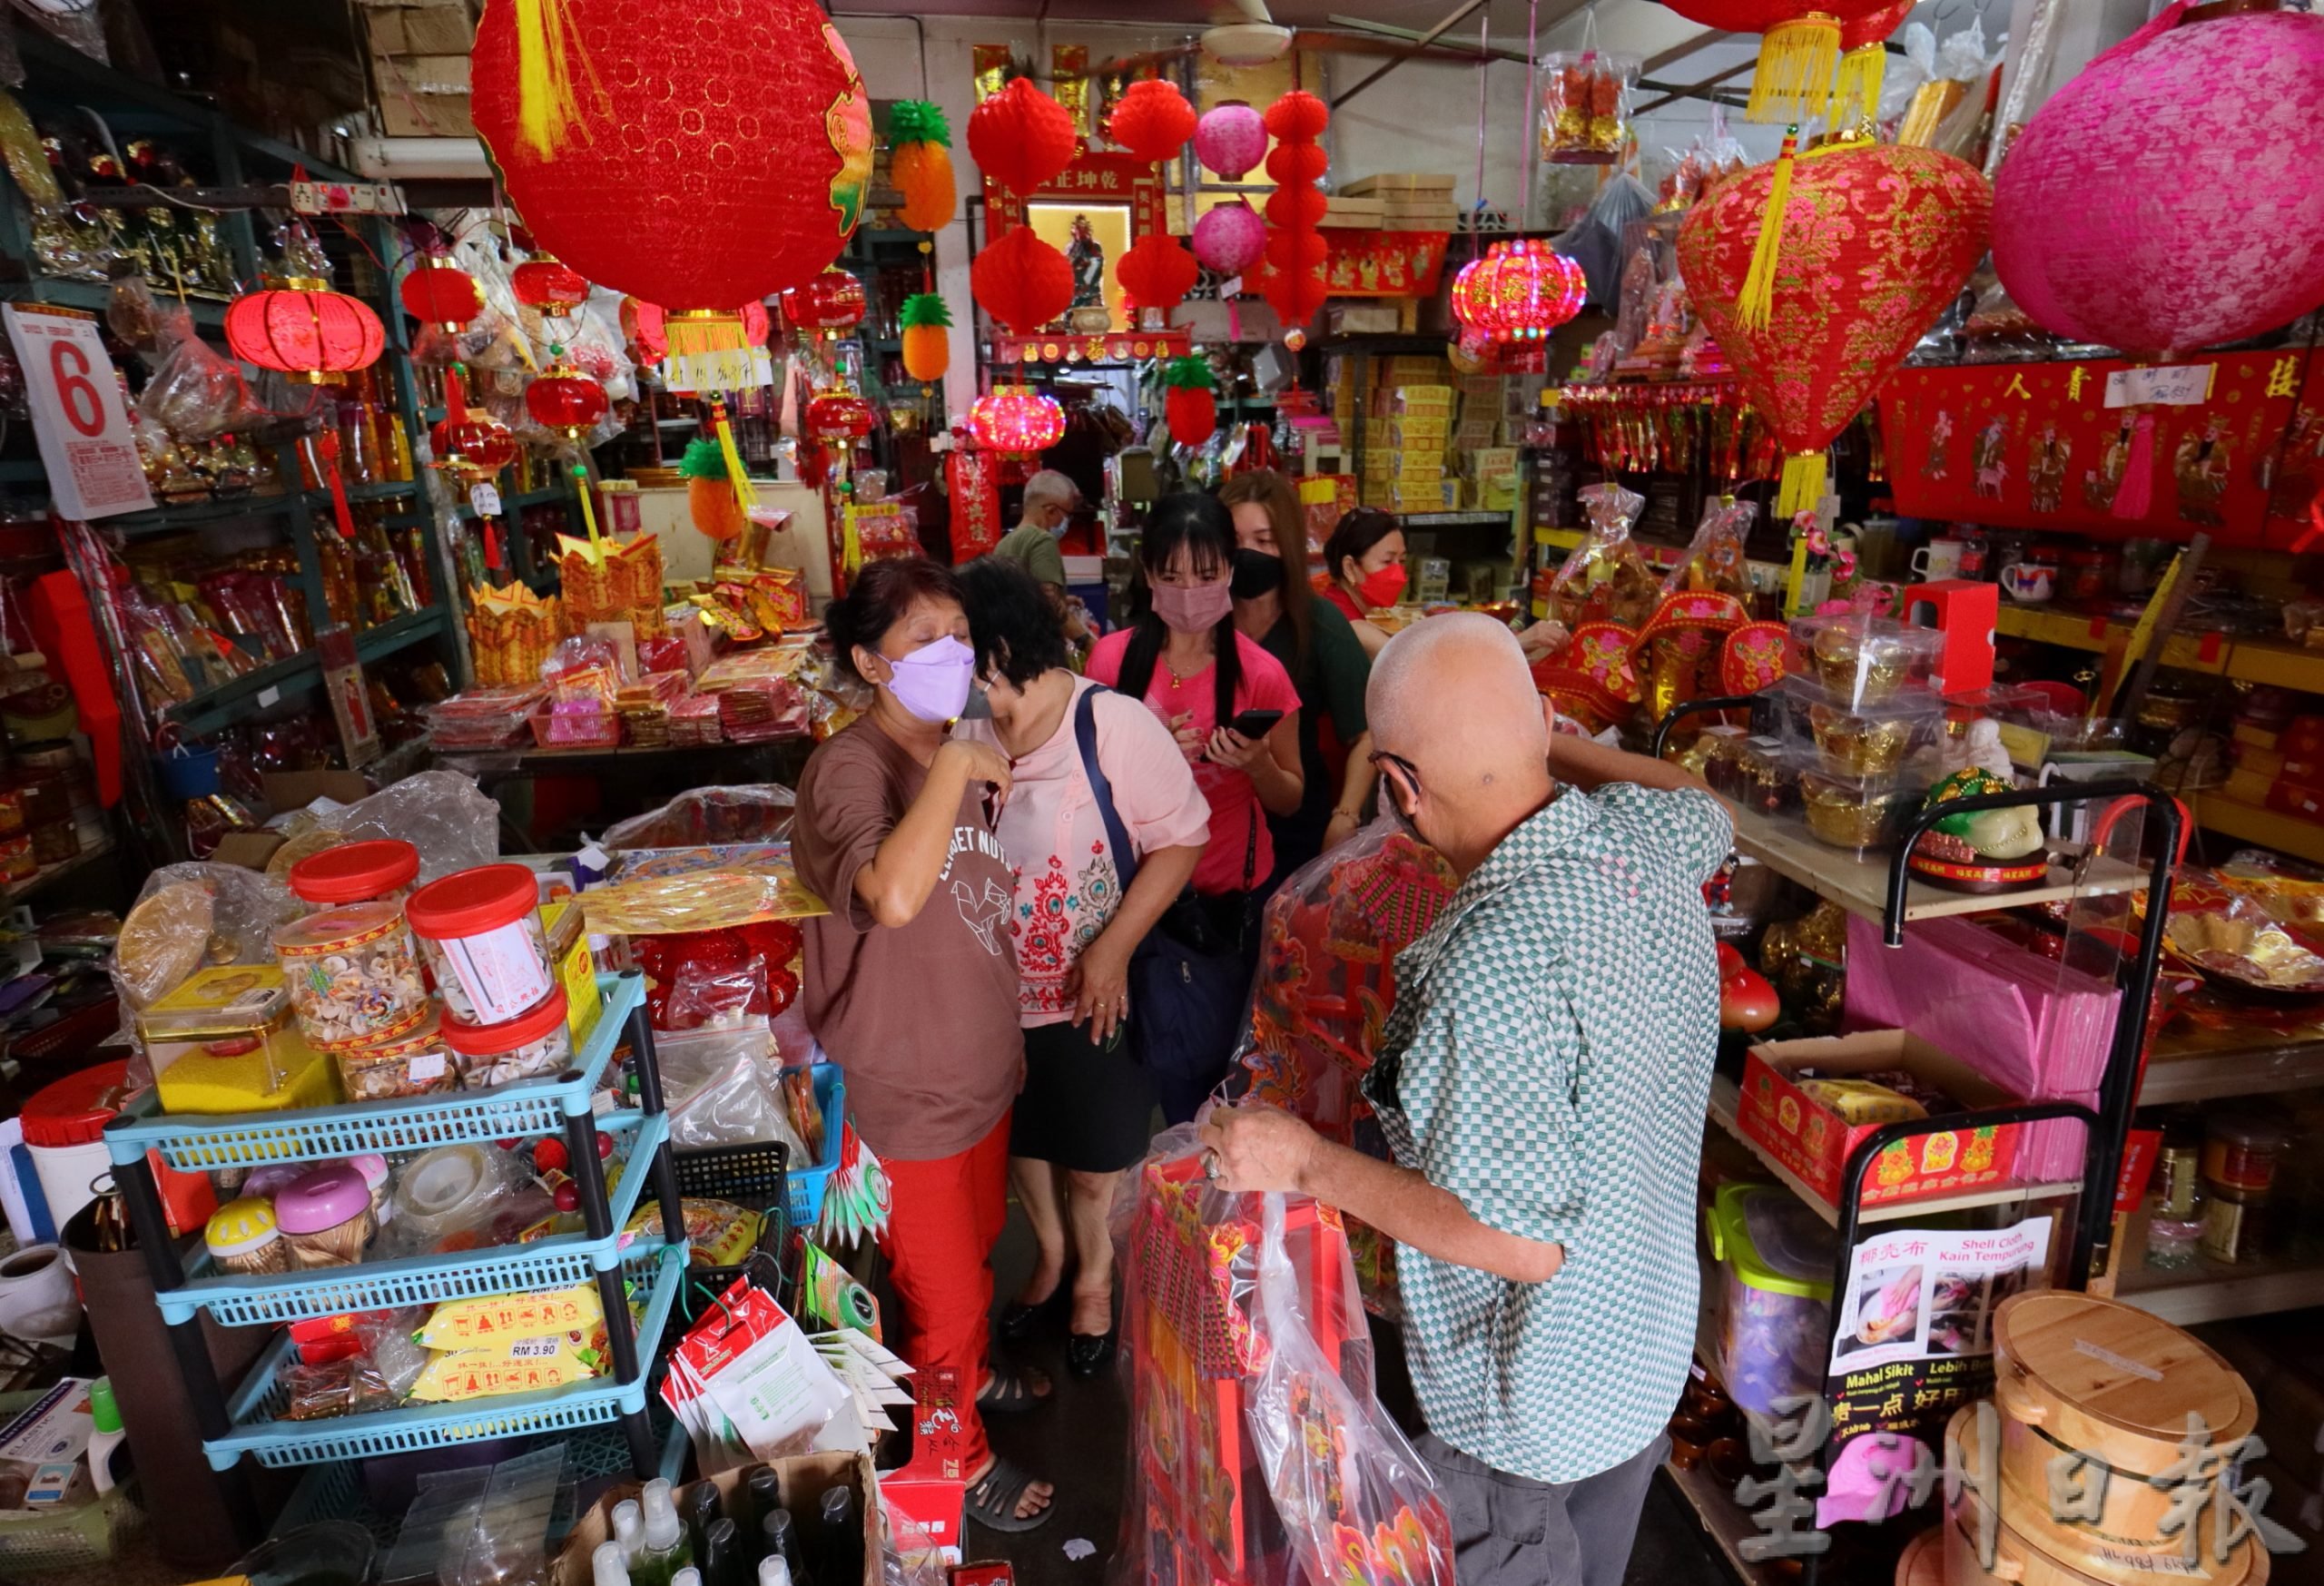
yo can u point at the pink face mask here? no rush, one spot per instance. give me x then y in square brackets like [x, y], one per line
[1194, 608]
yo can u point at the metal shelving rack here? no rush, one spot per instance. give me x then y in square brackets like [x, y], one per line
[1884, 891]
[247, 1420]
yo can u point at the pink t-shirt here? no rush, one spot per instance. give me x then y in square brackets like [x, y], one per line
[1235, 813]
[1067, 887]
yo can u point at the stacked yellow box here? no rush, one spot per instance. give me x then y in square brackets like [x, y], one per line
[1404, 458]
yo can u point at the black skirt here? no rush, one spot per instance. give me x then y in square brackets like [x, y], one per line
[1087, 1108]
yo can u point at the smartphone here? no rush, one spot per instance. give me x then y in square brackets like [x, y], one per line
[1255, 724]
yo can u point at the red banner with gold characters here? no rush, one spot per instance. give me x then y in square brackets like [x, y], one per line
[2236, 441]
[972, 479]
[1383, 264]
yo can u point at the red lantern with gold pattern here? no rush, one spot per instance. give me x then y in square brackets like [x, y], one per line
[469, 441]
[1520, 291]
[304, 330]
[441, 293]
[696, 156]
[840, 412]
[566, 400]
[1872, 242]
[548, 284]
[1797, 56]
[830, 301]
[1017, 418]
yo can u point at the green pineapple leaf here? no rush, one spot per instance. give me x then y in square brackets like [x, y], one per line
[1187, 373]
[915, 121]
[704, 459]
[924, 308]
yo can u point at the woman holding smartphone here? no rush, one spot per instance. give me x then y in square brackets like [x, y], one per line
[1236, 716]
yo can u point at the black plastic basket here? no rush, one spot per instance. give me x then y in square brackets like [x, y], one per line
[756, 1176]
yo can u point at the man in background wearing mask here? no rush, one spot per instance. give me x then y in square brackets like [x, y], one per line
[1541, 1082]
[1050, 502]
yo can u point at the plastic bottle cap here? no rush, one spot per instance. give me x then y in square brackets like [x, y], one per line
[837, 1503]
[626, 1523]
[687, 1576]
[609, 1565]
[662, 1527]
[332, 1194]
[492, 1040]
[104, 1415]
[774, 1570]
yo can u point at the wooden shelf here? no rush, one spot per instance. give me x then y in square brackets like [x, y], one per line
[2200, 1065]
[1724, 1098]
[2212, 1292]
[2277, 662]
[1861, 885]
[2248, 824]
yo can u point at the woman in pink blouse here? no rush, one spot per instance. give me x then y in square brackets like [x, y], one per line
[1088, 1105]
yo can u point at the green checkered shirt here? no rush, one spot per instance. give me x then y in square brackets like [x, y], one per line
[1547, 1062]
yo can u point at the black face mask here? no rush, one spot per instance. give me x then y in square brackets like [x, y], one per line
[1256, 573]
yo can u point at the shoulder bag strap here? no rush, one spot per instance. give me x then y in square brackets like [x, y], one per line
[1085, 736]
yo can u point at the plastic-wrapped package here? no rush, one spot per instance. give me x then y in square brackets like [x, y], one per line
[1606, 577]
[1586, 106]
[1715, 559]
[195, 394]
[720, 976]
[1241, 1309]
[442, 813]
[745, 813]
[724, 1089]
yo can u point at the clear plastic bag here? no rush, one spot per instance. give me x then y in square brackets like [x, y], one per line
[1606, 577]
[724, 1087]
[442, 813]
[189, 917]
[745, 813]
[1715, 559]
[720, 976]
[1586, 106]
[1596, 241]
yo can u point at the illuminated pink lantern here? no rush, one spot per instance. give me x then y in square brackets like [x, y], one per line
[1518, 292]
[2168, 198]
[1231, 138]
[1230, 238]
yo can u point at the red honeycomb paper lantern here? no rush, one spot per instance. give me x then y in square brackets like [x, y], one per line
[1299, 207]
[1153, 120]
[830, 301]
[304, 330]
[1021, 280]
[441, 293]
[1017, 418]
[548, 283]
[566, 400]
[1157, 273]
[1292, 163]
[702, 156]
[1021, 138]
[1518, 292]
[1298, 117]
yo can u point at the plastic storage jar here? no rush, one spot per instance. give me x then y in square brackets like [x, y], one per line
[1775, 1292]
[537, 1044]
[481, 931]
[242, 1237]
[2171, 1243]
[326, 1217]
[353, 975]
[415, 1063]
[380, 870]
[2240, 1157]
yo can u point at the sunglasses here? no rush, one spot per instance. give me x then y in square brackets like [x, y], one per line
[1380, 757]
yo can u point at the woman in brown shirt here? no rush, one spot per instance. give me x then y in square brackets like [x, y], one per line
[911, 983]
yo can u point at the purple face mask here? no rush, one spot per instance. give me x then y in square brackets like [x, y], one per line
[1194, 608]
[932, 681]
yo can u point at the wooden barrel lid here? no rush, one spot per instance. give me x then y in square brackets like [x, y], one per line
[2086, 1370]
[1924, 1560]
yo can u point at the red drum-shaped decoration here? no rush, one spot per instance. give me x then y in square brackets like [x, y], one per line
[441, 293]
[1157, 273]
[840, 412]
[566, 400]
[1021, 138]
[304, 330]
[1153, 120]
[1518, 292]
[832, 300]
[1021, 281]
[1298, 117]
[548, 284]
[698, 156]
[1017, 418]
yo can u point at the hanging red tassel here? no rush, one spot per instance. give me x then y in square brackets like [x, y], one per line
[2135, 497]
[328, 443]
[491, 532]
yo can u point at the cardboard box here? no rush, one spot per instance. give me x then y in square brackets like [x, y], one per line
[802, 1481]
[1814, 1142]
[433, 115]
[2251, 735]
[295, 790]
[933, 1489]
[2271, 764]
[1388, 182]
[2303, 736]
[249, 850]
[2300, 802]
[1360, 319]
[2248, 787]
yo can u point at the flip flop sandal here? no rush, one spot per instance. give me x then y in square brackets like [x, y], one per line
[1009, 1393]
[992, 1502]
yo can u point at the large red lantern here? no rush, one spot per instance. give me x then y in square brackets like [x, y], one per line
[566, 400]
[1157, 273]
[548, 284]
[1017, 418]
[696, 156]
[829, 301]
[1796, 56]
[1872, 242]
[1021, 138]
[1520, 291]
[1021, 280]
[1152, 119]
[304, 330]
[438, 292]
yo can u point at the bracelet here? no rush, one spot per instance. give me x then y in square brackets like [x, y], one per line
[1350, 814]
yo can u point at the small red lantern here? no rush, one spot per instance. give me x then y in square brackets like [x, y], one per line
[1153, 120]
[839, 412]
[469, 441]
[1298, 208]
[1298, 117]
[1021, 280]
[1021, 137]
[442, 295]
[1518, 292]
[546, 283]
[304, 330]
[831, 302]
[566, 400]
[1017, 418]
[1157, 273]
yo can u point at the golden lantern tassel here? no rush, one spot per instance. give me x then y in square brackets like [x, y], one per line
[745, 496]
[589, 514]
[551, 61]
[1856, 89]
[1803, 485]
[1756, 302]
[1794, 65]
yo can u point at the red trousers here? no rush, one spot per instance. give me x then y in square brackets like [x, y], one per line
[944, 1218]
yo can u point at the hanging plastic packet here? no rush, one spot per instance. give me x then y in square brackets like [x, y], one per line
[747, 1383]
[1586, 106]
[856, 1197]
[1607, 578]
[1714, 562]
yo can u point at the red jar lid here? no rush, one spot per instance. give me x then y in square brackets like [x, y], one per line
[75, 1110]
[354, 873]
[472, 901]
[490, 1040]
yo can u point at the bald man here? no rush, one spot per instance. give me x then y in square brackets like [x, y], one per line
[1541, 1082]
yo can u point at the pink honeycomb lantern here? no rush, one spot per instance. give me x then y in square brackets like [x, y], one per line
[1231, 138]
[2167, 199]
[1230, 238]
